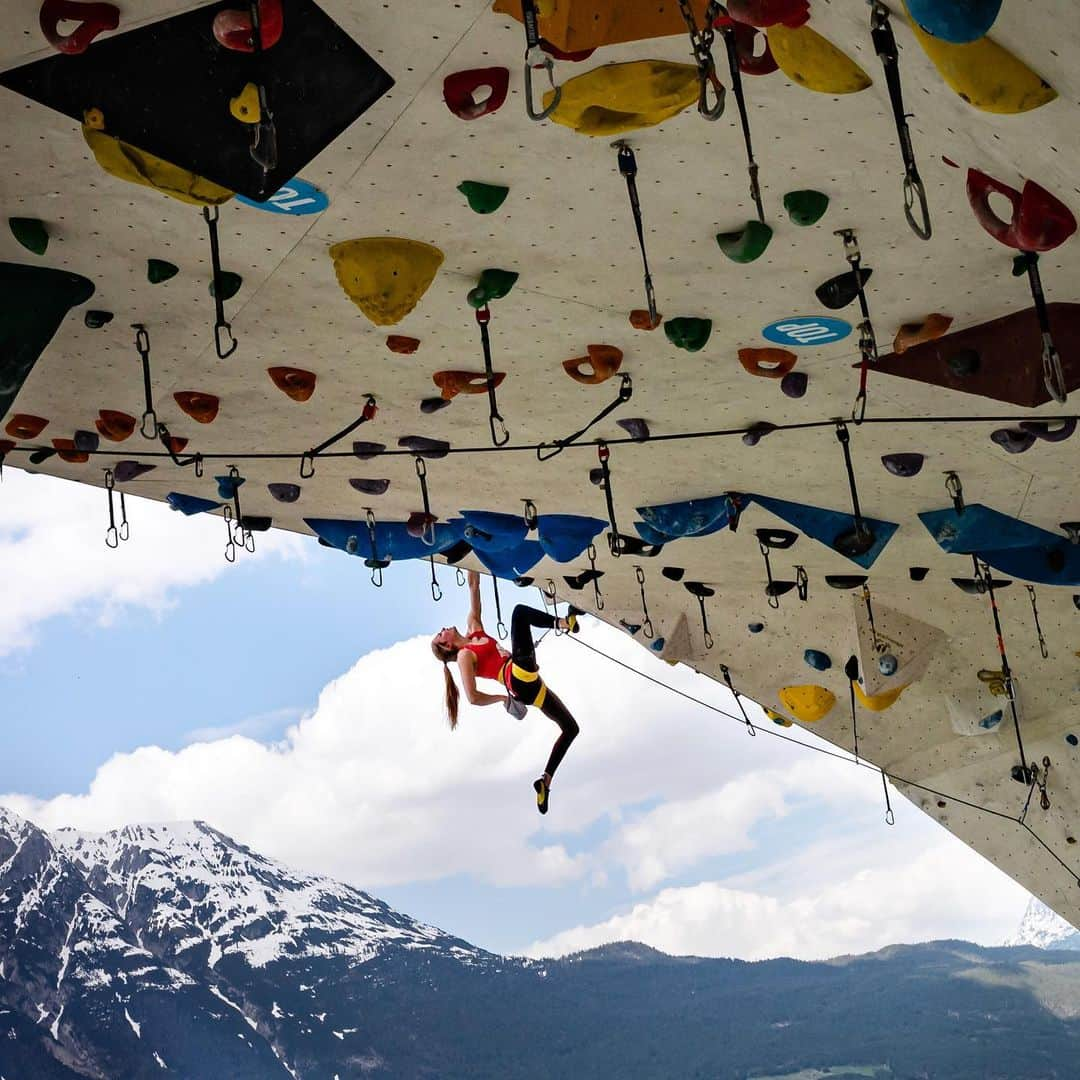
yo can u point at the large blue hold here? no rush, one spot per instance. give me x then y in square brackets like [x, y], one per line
[392, 539]
[190, 504]
[958, 21]
[511, 563]
[565, 536]
[496, 531]
[694, 517]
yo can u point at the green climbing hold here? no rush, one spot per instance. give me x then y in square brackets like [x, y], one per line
[483, 198]
[689, 334]
[806, 207]
[493, 285]
[230, 284]
[745, 245]
[158, 270]
[31, 233]
[95, 320]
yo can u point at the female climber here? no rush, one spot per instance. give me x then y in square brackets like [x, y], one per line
[479, 656]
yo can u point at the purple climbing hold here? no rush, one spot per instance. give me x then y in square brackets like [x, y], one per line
[433, 405]
[285, 493]
[369, 487]
[794, 383]
[1015, 442]
[1043, 430]
[905, 465]
[365, 450]
[757, 432]
[425, 447]
[126, 471]
[635, 427]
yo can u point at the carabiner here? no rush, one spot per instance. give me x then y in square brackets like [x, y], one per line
[125, 528]
[230, 543]
[1053, 376]
[307, 465]
[548, 65]
[223, 331]
[913, 186]
[459, 575]
[707, 77]
[495, 439]
[112, 537]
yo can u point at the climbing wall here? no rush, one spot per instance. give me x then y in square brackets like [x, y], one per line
[360, 293]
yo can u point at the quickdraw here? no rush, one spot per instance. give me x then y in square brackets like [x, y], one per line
[646, 621]
[890, 817]
[500, 626]
[628, 169]
[530, 515]
[727, 28]
[535, 57]
[781, 539]
[423, 524]
[885, 46]
[750, 729]
[374, 563]
[307, 460]
[167, 441]
[149, 427]
[483, 317]
[242, 535]
[1053, 375]
[546, 451]
[701, 591]
[597, 598]
[263, 146]
[112, 536]
[956, 491]
[860, 539]
[230, 542]
[1038, 627]
[618, 543]
[224, 342]
[701, 40]
[802, 583]
[867, 342]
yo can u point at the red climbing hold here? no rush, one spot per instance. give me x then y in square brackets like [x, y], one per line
[452, 383]
[750, 62]
[295, 382]
[199, 406]
[560, 54]
[406, 346]
[67, 451]
[641, 320]
[234, 30]
[114, 426]
[791, 13]
[460, 91]
[24, 426]
[93, 19]
[1040, 222]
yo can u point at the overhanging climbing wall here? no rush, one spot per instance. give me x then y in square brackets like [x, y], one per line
[362, 292]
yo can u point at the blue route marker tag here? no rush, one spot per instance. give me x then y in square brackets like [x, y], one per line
[806, 331]
[296, 198]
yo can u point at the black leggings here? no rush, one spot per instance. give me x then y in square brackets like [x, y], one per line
[533, 691]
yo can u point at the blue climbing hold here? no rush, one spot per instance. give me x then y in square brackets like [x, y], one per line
[487, 530]
[1071, 739]
[392, 538]
[694, 517]
[227, 486]
[657, 644]
[755, 627]
[958, 21]
[511, 563]
[190, 504]
[565, 536]
[818, 660]
[991, 721]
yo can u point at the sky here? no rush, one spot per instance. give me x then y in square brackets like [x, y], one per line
[297, 708]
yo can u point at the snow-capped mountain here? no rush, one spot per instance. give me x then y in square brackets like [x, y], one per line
[1045, 929]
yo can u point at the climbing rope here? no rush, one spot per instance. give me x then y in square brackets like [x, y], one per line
[224, 342]
[149, 425]
[701, 40]
[535, 57]
[546, 451]
[885, 46]
[628, 168]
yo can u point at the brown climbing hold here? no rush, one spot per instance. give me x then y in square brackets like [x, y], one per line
[406, 346]
[199, 406]
[641, 320]
[295, 382]
[604, 360]
[932, 327]
[24, 426]
[67, 451]
[767, 363]
[114, 426]
[452, 383]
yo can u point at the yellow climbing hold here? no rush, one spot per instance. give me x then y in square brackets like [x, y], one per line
[985, 74]
[807, 703]
[616, 98]
[245, 106]
[778, 718]
[385, 276]
[814, 62]
[877, 702]
[124, 161]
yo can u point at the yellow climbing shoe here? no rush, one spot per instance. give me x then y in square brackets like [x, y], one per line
[814, 62]
[616, 98]
[542, 792]
[807, 703]
[385, 276]
[985, 74]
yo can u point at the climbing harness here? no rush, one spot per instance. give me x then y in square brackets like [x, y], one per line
[781, 540]
[224, 342]
[867, 343]
[731, 44]
[802, 583]
[646, 622]
[112, 536]
[890, 817]
[885, 46]
[500, 626]
[628, 168]
[1053, 375]
[860, 539]
[956, 491]
[701, 41]
[307, 460]
[535, 57]
[1038, 628]
[618, 543]
[375, 564]
[422, 525]
[701, 591]
[750, 729]
[546, 451]
[483, 317]
[149, 426]
[166, 439]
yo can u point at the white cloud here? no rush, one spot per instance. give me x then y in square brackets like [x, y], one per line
[55, 560]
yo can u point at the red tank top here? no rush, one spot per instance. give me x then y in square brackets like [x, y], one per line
[489, 657]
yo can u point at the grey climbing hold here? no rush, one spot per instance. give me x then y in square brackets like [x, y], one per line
[425, 447]
[369, 487]
[86, 442]
[755, 627]
[284, 493]
[1013, 440]
[905, 465]
[433, 405]
[793, 384]
[635, 427]
[818, 660]
[126, 471]
[757, 432]
[95, 319]
[366, 450]
[887, 664]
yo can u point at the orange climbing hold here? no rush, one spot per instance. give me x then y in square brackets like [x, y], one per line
[66, 449]
[24, 426]
[199, 406]
[931, 328]
[452, 383]
[177, 444]
[114, 426]
[767, 363]
[406, 346]
[603, 361]
[640, 319]
[295, 382]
